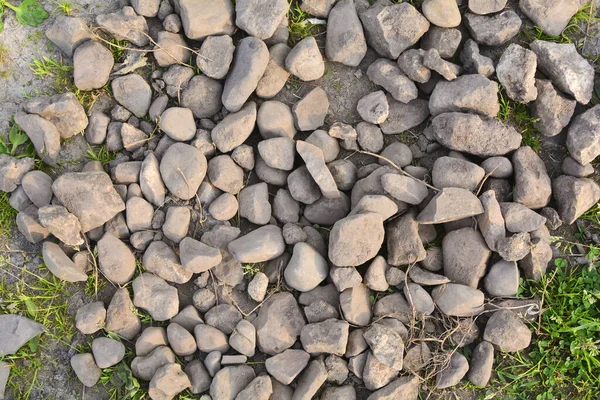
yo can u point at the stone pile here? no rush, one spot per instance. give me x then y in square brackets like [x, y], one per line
[349, 256]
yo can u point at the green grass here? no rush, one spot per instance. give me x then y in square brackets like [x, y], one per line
[518, 114]
[7, 215]
[252, 269]
[100, 153]
[564, 358]
[66, 8]
[46, 67]
[298, 26]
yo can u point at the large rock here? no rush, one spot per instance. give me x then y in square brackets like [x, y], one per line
[493, 30]
[121, 317]
[62, 224]
[168, 381]
[305, 61]
[345, 41]
[202, 18]
[235, 128]
[516, 72]
[574, 196]
[156, 296]
[442, 13]
[182, 169]
[468, 93]
[67, 33]
[162, 261]
[386, 344]
[262, 244]
[260, 18]
[63, 110]
[457, 300]
[566, 68]
[125, 24]
[42, 133]
[551, 16]
[116, 261]
[230, 381]
[465, 256]
[450, 204]
[403, 241]
[85, 368]
[507, 332]
[275, 76]
[202, 95]
[474, 134]
[15, 331]
[583, 137]
[387, 74]
[532, 183]
[356, 239]
[90, 196]
[393, 28]
[306, 269]
[134, 93]
[552, 110]
[278, 324]
[403, 117]
[451, 172]
[286, 366]
[249, 64]
[330, 336]
[215, 56]
[171, 49]
[355, 303]
[403, 388]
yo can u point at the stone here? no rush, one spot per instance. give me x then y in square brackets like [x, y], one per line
[243, 338]
[121, 317]
[516, 72]
[411, 64]
[15, 331]
[225, 174]
[197, 256]
[338, 393]
[144, 367]
[60, 264]
[235, 128]
[433, 61]
[67, 33]
[305, 61]
[566, 68]
[183, 168]
[260, 388]
[403, 388]
[262, 244]
[348, 247]
[90, 318]
[125, 25]
[12, 171]
[551, 110]
[199, 378]
[376, 374]
[355, 304]
[44, 136]
[535, 263]
[62, 224]
[275, 76]
[386, 345]
[319, 311]
[519, 218]
[387, 74]
[497, 167]
[491, 222]
[507, 332]
[443, 13]
[286, 366]
[302, 186]
[212, 362]
[259, 18]
[474, 62]
[315, 163]
[468, 93]
[493, 30]
[450, 204]
[156, 296]
[215, 56]
[502, 280]
[551, 16]
[445, 40]
[375, 276]
[167, 382]
[482, 361]
[373, 107]
[243, 155]
[202, 95]
[150, 339]
[133, 93]
[450, 172]
[181, 341]
[583, 136]
[455, 369]
[230, 381]
[306, 269]
[63, 110]
[515, 247]
[403, 117]
[162, 261]
[204, 299]
[345, 40]
[311, 380]
[146, 8]
[249, 64]
[85, 369]
[403, 241]
[571, 167]
[574, 196]
[176, 224]
[327, 211]
[278, 324]
[188, 318]
[92, 64]
[393, 28]
[330, 336]
[278, 152]
[171, 49]
[116, 261]
[29, 225]
[107, 352]
[458, 300]
[369, 137]
[224, 317]
[178, 123]
[337, 369]
[318, 8]
[151, 183]
[532, 184]
[474, 134]
[207, 17]
[210, 339]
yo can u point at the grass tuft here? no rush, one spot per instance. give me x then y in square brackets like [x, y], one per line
[298, 25]
[250, 270]
[100, 153]
[7, 216]
[46, 67]
[518, 114]
[66, 7]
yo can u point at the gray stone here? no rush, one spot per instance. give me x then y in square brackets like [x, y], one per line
[259, 18]
[183, 168]
[376, 374]
[305, 60]
[403, 388]
[450, 172]
[574, 196]
[411, 64]
[44, 136]
[212, 362]
[121, 317]
[339, 393]
[224, 317]
[458, 300]
[345, 40]
[319, 311]
[286, 366]
[151, 182]
[125, 25]
[62, 224]
[171, 49]
[210, 339]
[243, 155]
[330, 336]
[532, 184]
[235, 128]
[278, 152]
[197, 257]
[204, 299]
[156, 296]
[502, 280]
[516, 72]
[515, 247]
[344, 278]
[92, 64]
[168, 381]
[455, 369]
[202, 95]
[275, 120]
[306, 269]
[60, 264]
[369, 137]
[116, 261]
[181, 341]
[318, 8]
[348, 247]
[380, 204]
[465, 256]
[337, 369]
[551, 16]
[571, 167]
[85, 369]
[445, 40]
[63, 110]
[387, 74]
[262, 244]
[90, 318]
[583, 137]
[199, 377]
[275, 76]
[178, 123]
[260, 388]
[176, 224]
[144, 367]
[243, 338]
[484, 7]
[225, 174]
[161, 260]
[355, 304]
[433, 61]
[450, 204]
[302, 186]
[386, 345]
[133, 93]
[107, 352]
[188, 318]
[551, 110]
[474, 62]
[491, 221]
[443, 13]
[507, 332]
[373, 107]
[468, 93]
[315, 163]
[403, 241]
[519, 218]
[15, 331]
[497, 167]
[67, 33]
[215, 56]
[311, 379]
[482, 361]
[12, 171]
[493, 30]
[327, 211]
[29, 225]
[403, 117]
[207, 17]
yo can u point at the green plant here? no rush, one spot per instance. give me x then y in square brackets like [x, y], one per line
[7, 215]
[27, 13]
[101, 154]
[120, 382]
[298, 25]
[65, 7]
[46, 67]
[519, 115]
[252, 269]
[16, 137]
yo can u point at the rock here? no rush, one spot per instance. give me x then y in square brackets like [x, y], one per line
[566, 68]
[482, 360]
[215, 56]
[433, 60]
[212, 362]
[162, 261]
[393, 28]
[329, 337]
[224, 317]
[171, 49]
[286, 366]
[235, 128]
[260, 388]
[278, 152]
[305, 61]
[319, 311]
[519, 218]
[107, 352]
[318, 8]
[497, 167]
[458, 300]
[178, 123]
[62, 224]
[206, 17]
[403, 241]
[456, 368]
[243, 338]
[306, 269]
[67, 33]
[210, 339]
[443, 13]
[403, 388]
[484, 7]
[468, 93]
[380, 204]
[386, 345]
[411, 63]
[12, 171]
[15, 331]
[516, 72]
[344, 278]
[199, 378]
[375, 276]
[355, 304]
[344, 250]
[151, 182]
[90, 318]
[311, 379]
[181, 341]
[345, 41]
[515, 247]
[445, 40]
[535, 263]
[230, 381]
[493, 30]
[571, 167]
[502, 280]
[465, 256]
[144, 367]
[92, 63]
[243, 156]
[474, 134]
[551, 16]
[225, 174]
[313, 157]
[574, 196]
[125, 25]
[133, 93]
[188, 318]
[38, 187]
[249, 64]
[85, 369]
[155, 296]
[403, 117]
[491, 222]
[197, 257]
[183, 168]
[302, 186]
[532, 184]
[275, 120]
[60, 264]
[121, 317]
[551, 109]
[553, 220]
[583, 136]
[339, 393]
[449, 172]
[275, 76]
[202, 95]
[387, 74]
[474, 62]
[337, 370]
[262, 244]
[116, 261]
[63, 110]
[344, 174]
[260, 19]
[44, 136]
[507, 332]
[369, 136]
[424, 277]
[278, 324]
[176, 224]
[168, 381]
[450, 204]
[29, 225]
[376, 374]
[327, 211]
[146, 8]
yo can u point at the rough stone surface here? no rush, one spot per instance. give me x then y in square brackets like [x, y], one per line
[345, 41]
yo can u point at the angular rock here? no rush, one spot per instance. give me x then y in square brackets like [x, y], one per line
[305, 61]
[92, 63]
[311, 380]
[519, 218]
[345, 41]
[474, 62]
[90, 318]
[133, 93]
[465, 256]
[60, 264]
[355, 239]
[468, 93]
[62, 224]
[162, 261]
[286, 366]
[330, 336]
[403, 388]
[445, 40]
[493, 30]
[125, 25]
[315, 163]
[67, 33]
[12, 171]
[355, 304]
[262, 244]
[168, 381]
[411, 63]
[433, 61]
[275, 76]
[259, 18]
[63, 110]
[583, 137]
[450, 172]
[551, 16]
[275, 120]
[516, 72]
[551, 110]
[144, 367]
[574, 196]
[29, 225]
[278, 152]
[183, 168]
[403, 241]
[197, 256]
[532, 184]
[121, 317]
[156, 296]
[207, 17]
[491, 222]
[306, 269]
[507, 332]
[386, 345]
[387, 74]
[151, 183]
[376, 374]
[199, 378]
[403, 117]
[43, 134]
[171, 49]
[450, 204]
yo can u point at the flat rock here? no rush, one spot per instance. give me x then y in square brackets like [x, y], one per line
[60, 264]
[15, 331]
[551, 16]
[107, 352]
[403, 117]
[197, 256]
[450, 172]
[403, 388]
[574, 196]
[507, 332]
[183, 168]
[450, 204]
[403, 241]
[519, 218]
[454, 371]
[386, 344]
[465, 256]
[330, 336]
[262, 244]
[309, 112]
[42, 133]
[207, 17]
[286, 366]
[468, 93]
[209, 339]
[259, 18]
[162, 261]
[168, 381]
[345, 41]
[156, 296]
[86, 369]
[493, 30]
[345, 248]
[458, 300]
[355, 304]
[133, 93]
[516, 72]
[202, 95]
